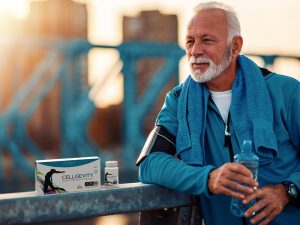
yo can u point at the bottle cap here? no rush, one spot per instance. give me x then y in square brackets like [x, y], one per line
[111, 163]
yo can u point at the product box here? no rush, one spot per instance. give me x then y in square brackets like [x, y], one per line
[67, 175]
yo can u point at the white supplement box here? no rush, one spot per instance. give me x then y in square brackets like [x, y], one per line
[67, 175]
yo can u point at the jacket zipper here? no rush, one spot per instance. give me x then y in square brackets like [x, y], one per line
[227, 143]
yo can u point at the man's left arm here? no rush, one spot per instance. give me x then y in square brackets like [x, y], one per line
[293, 127]
[273, 198]
[293, 118]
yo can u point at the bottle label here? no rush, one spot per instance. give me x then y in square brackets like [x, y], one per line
[111, 178]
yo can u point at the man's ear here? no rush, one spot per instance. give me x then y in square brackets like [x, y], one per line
[237, 44]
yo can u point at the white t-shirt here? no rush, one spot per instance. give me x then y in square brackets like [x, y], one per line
[222, 99]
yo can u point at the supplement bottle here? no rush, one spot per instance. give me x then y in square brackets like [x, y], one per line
[111, 173]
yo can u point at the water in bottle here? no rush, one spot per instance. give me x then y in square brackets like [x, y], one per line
[249, 159]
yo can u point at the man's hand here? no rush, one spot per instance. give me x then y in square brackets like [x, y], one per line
[271, 200]
[232, 179]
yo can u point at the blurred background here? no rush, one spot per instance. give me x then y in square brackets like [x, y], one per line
[88, 77]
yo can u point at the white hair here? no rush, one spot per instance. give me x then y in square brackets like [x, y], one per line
[234, 28]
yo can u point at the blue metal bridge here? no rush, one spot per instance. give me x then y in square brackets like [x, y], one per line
[63, 63]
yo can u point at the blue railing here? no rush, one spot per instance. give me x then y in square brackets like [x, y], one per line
[156, 204]
[76, 108]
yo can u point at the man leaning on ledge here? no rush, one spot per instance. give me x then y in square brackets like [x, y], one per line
[190, 149]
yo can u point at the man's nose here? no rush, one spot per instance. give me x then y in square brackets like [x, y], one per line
[197, 49]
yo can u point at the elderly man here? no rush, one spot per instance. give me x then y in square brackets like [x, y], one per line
[227, 99]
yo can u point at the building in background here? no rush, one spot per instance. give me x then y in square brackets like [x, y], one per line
[151, 26]
[53, 19]
[65, 19]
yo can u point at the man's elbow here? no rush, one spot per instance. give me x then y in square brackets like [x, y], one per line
[141, 174]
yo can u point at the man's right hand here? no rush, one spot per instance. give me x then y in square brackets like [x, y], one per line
[227, 180]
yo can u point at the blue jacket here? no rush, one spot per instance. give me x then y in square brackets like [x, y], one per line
[166, 170]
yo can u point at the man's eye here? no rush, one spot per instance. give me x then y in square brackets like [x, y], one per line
[189, 43]
[208, 40]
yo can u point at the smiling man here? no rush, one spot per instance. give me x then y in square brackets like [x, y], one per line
[227, 99]
[208, 48]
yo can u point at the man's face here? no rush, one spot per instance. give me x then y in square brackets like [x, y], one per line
[207, 46]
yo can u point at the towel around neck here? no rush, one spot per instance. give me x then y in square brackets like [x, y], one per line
[251, 114]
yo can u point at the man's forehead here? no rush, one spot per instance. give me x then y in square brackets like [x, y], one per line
[212, 19]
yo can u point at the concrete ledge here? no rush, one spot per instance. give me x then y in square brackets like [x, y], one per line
[27, 207]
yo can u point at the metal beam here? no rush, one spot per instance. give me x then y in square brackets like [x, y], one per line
[27, 207]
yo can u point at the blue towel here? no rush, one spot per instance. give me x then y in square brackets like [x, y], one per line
[251, 113]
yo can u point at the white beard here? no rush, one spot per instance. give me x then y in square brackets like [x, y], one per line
[213, 70]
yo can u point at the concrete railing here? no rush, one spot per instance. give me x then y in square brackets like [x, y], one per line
[156, 204]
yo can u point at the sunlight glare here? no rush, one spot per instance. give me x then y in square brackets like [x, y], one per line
[18, 9]
[112, 220]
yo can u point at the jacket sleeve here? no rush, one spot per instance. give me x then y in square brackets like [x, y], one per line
[167, 117]
[294, 130]
[166, 170]
[293, 117]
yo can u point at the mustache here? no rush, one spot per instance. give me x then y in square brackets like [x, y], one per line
[200, 59]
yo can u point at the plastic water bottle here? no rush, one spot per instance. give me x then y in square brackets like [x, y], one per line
[249, 159]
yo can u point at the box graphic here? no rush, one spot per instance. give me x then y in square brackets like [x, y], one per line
[67, 175]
